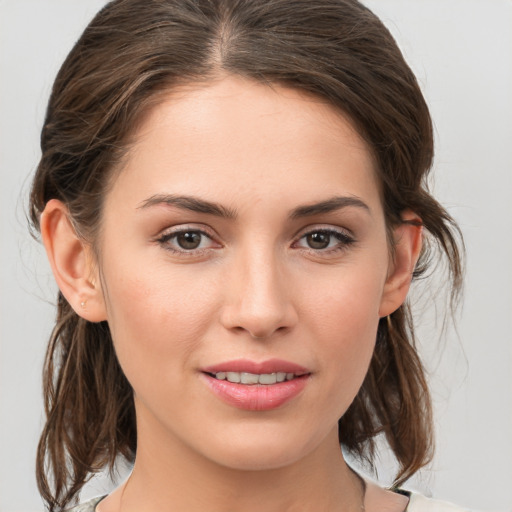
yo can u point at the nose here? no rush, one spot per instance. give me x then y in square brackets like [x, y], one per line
[258, 297]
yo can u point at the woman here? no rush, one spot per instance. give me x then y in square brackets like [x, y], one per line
[232, 199]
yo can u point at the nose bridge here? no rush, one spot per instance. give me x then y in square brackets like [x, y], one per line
[260, 303]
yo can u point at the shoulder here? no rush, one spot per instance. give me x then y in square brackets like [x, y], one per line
[88, 506]
[419, 503]
[388, 500]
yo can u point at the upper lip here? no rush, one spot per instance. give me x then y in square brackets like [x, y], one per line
[248, 366]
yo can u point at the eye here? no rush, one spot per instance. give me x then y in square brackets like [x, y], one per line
[189, 239]
[324, 240]
[186, 240]
[318, 240]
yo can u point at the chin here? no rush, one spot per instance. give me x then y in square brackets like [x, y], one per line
[263, 450]
[258, 460]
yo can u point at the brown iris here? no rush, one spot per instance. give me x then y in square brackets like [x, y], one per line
[188, 240]
[318, 240]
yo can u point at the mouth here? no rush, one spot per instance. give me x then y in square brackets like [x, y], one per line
[252, 379]
[254, 386]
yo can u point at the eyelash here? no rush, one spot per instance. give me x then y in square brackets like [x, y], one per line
[343, 238]
[165, 241]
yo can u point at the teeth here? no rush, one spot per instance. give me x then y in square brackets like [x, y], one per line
[267, 378]
[249, 378]
[254, 378]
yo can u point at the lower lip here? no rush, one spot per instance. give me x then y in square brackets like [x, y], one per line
[257, 397]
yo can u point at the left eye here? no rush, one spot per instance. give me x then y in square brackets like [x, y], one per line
[187, 240]
[323, 239]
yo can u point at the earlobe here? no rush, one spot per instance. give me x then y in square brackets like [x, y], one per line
[72, 263]
[408, 237]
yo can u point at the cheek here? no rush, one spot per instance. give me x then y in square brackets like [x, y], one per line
[155, 313]
[344, 323]
[347, 306]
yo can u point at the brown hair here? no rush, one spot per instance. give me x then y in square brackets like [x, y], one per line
[132, 51]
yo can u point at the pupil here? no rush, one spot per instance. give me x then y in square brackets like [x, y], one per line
[318, 240]
[189, 240]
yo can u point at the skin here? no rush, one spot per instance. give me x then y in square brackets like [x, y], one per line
[255, 288]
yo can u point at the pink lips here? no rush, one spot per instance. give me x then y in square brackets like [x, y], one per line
[256, 397]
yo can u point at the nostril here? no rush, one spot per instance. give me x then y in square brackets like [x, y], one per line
[263, 335]
[257, 335]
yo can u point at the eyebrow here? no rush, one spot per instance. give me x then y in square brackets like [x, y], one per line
[330, 205]
[191, 203]
[198, 205]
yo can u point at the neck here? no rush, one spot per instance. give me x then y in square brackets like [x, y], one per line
[169, 476]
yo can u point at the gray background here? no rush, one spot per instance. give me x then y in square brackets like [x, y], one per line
[461, 51]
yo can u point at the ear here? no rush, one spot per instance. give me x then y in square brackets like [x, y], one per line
[408, 237]
[72, 262]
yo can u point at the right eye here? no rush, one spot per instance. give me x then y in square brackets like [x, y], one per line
[186, 241]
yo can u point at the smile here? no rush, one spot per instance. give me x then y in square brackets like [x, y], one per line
[254, 378]
[256, 386]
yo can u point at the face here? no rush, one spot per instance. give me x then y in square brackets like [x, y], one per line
[244, 239]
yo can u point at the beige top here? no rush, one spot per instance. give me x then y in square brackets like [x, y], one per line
[418, 503]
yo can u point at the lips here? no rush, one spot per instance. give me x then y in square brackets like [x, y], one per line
[269, 366]
[256, 386]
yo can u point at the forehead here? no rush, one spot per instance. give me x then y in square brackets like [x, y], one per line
[239, 134]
